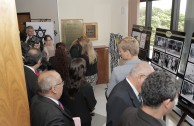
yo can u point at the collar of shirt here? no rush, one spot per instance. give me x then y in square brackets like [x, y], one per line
[134, 89]
[30, 68]
[56, 101]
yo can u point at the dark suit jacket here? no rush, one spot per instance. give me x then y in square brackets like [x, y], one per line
[31, 82]
[137, 117]
[83, 103]
[45, 112]
[120, 98]
[75, 51]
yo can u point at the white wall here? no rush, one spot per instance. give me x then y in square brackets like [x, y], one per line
[111, 15]
[40, 9]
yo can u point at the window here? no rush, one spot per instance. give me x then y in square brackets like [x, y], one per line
[161, 16]
[142, 13]
[182, 15]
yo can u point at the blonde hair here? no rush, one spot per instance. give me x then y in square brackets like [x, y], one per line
[130, 44]
[80, 39]
[88, 50]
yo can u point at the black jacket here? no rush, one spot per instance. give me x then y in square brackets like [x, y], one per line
[31, 82]
[45, 112]
[121, 97]
[83, 103]
[75, 51]
[137, 117]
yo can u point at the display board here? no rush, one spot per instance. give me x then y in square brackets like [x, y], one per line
[42, 28]
[186, 97]
[167, 50]
[142, 34]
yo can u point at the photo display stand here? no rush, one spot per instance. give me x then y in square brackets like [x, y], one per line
[186, 96]
[143, 35]
[167, 50]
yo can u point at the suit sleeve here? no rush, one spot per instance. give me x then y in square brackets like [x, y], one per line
[90, 98]
[115, 108]
[75, 51]
[112, 83]
[59, 121]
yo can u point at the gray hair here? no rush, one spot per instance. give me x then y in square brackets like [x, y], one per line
[130, 44]
[142, 67]
[46, 83]
[158, 87]
[29, 27]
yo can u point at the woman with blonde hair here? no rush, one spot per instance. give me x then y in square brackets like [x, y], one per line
[76, 46]
[90, 56]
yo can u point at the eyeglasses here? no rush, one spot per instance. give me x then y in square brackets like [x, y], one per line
[62, 83]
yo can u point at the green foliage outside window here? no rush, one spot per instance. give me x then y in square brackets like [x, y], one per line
[160, 19]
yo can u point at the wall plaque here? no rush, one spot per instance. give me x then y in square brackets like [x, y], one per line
[71, 29]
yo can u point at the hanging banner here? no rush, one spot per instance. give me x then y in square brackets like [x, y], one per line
[42, 28]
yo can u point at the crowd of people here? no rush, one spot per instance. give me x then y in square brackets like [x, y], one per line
[60, 84]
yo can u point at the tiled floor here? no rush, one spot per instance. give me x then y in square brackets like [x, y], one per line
[100, 111]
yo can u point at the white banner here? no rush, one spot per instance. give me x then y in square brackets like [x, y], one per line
[42, 28]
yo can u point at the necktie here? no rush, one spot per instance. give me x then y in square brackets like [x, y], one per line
[61, 106]
[140, 98]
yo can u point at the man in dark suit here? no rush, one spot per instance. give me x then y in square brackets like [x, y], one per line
[126, 93]
[32, 63]
[159, 92]
[45, 109]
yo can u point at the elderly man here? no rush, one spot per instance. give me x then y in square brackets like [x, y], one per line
[127, 93]
[159, 91]
[45, 109]
[128, 51]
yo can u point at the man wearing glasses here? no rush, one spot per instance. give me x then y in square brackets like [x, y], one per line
[45, 107]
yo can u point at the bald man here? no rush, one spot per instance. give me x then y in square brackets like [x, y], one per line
[45, 109]
[127, 93]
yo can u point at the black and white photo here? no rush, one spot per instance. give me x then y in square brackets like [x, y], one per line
[136, 35]
[191, 54]
[174, 47]
[142, 40]
[155, 57]
[187, 91]
[160, 43]
[189, 74]
[171, 63]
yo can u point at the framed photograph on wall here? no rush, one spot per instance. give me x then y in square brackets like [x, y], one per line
[91, 30]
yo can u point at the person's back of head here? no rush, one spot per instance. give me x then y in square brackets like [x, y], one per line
[129, 44]
[81, 40]
[34, 42]
[61, 60]
[33, 57]
[50, 84]
[159, 89]
[89, 51]
[77, 75]
[138, 74]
